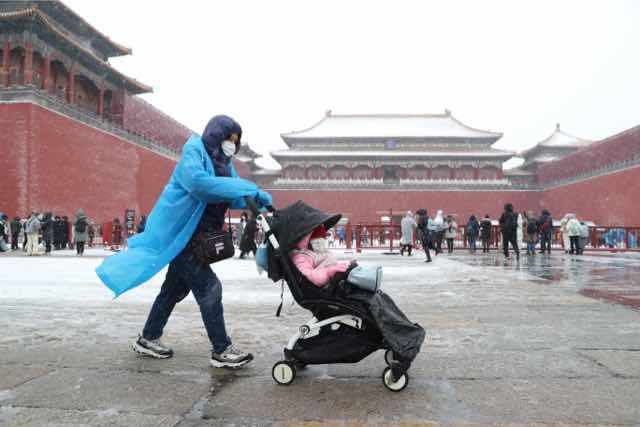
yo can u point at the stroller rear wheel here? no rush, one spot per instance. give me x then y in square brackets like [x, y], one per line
[283, 372]
[388, 380]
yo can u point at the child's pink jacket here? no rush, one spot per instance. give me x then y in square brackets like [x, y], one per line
[318, 268]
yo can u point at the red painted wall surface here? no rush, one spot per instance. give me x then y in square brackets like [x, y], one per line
[617, 148]
[145, 119]
[368, 206]
[58, 164]
[606, 200]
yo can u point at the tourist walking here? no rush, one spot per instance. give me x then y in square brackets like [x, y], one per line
[116, 234]
[545, 230]
[509, 226]
[407, 226]
[16, 227]
[80, 231]
[424, 231]
[57, 233]
[530, 226]
[342, 234]
[566, 242]
[65, 229]
[47, 232]
[584, 236]
[473, 230]
[248, 241]
[438, 227]
[450, 232]
[5, 231]
[520, 230]
[23, 221]
[485, 233]
[202, 187]
[241, 226]
[32, 229]
[91, 233]
[573, 230]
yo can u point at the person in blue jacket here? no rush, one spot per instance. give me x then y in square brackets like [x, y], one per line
[203, 185]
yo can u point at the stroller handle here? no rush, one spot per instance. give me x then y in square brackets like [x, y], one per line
[253, 207]
[251, 204]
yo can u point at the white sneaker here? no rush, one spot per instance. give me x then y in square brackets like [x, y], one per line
[231, 357]
[153, 348]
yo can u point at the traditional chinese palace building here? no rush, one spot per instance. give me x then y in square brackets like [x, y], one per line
[368, 165]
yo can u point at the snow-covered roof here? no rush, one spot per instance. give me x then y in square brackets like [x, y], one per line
[559, 139]
[517, 172]
[389, 154]
[390, 126]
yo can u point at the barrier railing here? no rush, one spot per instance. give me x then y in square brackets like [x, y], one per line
[388, 236]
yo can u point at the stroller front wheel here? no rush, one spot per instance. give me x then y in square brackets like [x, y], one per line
[388, 358]
[283, 372]
[400, 384]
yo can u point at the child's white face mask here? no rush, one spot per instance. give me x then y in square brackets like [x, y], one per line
[319, 245]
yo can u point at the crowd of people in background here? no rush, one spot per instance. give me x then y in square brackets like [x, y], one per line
[515, 228]
[47, 231]
[519, 230]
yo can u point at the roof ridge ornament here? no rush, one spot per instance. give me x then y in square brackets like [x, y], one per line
[327, 113]
[447, 112]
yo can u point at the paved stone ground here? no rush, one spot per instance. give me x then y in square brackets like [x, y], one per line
[507, 344]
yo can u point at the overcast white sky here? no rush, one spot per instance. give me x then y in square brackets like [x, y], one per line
[510, 66]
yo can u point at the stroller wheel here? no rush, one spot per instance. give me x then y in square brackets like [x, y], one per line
[283, 372]
[399, 385]
[388, 358]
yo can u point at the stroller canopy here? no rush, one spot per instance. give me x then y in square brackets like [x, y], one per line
[291, 224]
[296, 221]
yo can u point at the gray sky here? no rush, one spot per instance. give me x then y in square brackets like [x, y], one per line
[276, 66]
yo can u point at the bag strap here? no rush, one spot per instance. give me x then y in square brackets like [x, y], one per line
[281, 298]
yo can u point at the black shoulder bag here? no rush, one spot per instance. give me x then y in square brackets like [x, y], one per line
[212, 246]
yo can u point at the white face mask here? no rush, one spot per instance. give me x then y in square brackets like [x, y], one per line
[319, 245]
[228, 148]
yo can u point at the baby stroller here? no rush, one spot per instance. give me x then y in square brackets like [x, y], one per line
[341, 330]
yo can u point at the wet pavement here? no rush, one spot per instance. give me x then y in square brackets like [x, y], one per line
[614, 278]
[548, 340]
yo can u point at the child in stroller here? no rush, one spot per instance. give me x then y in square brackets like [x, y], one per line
[348, 322]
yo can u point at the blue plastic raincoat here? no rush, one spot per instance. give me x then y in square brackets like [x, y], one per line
[174, 218]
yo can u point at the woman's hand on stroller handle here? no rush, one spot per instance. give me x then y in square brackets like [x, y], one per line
[253, 203]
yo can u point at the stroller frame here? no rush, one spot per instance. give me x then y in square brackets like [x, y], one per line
[335, 315]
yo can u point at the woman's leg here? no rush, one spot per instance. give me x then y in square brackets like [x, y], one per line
[174, 289]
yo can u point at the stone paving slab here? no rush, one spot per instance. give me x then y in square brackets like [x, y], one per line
[20, 417]
[82, 389]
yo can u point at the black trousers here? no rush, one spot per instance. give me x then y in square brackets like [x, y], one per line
[575, 244]
[406, 248]
[14, 241]
[545, 244]
[510, 238]
[425, 246]
[80, 247]
[449, 245]
[485, 245]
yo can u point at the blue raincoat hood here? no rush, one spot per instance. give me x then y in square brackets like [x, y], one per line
[174, 218]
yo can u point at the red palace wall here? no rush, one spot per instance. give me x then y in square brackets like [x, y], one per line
[368, 206]
[54, 163]
[145, 119]
[606, 200]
